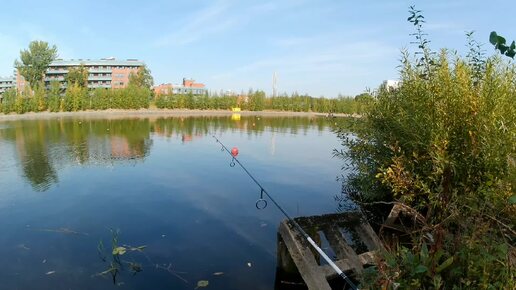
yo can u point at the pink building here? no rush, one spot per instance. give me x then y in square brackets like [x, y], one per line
[188, 86]
[107, 73]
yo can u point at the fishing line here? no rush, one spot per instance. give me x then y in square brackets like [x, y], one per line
[262, 203]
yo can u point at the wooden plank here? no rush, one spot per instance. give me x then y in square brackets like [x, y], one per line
[343, 264]
[367, 258]
[370, 239]
[312, 274]
[292, 244]
[341, 248]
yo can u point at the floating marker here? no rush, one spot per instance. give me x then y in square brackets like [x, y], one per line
[234, 152]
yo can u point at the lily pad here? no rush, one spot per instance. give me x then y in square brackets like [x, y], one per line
[202, 284]
[119, 251]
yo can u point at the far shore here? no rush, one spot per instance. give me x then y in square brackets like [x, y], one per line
[116, 113]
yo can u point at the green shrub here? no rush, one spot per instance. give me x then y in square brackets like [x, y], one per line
[444, 143]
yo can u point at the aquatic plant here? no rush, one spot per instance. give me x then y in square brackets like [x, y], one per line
[114, 257]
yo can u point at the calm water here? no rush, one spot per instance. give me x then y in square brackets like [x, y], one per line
[164, 183]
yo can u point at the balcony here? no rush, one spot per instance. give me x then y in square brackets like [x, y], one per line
[96, 86]
[99, 78]
[59, 79]
[99, 70]
[56, 71]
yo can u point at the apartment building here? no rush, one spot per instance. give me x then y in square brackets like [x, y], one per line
[6, 83]
[188, 86]
[103, 73]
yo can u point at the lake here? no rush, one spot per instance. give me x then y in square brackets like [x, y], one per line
[66, 184]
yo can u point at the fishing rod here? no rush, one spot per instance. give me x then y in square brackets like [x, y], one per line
[262, 203]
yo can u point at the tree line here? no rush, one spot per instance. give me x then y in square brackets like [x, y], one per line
[40, 96]
[258, 101]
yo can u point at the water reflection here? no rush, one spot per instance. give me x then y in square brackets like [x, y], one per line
[165, 184]
[45, 146]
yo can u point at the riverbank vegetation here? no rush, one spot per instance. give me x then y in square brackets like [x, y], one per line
[444, 144]
[39, 95]
[76, 97]
[257, 101]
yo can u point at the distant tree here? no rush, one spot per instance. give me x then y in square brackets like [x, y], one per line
[34, 61]
[363, 97]
[78, 75]
[142, 78]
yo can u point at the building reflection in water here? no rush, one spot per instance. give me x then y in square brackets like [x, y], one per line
[43, 147]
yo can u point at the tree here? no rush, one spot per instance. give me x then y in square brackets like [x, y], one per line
[34, 61]
[78, 75]
[142, 78]
[364, 97]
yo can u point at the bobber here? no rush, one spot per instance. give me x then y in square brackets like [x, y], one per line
[234, 151]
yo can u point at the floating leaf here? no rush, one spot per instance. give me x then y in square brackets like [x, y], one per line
[119, 251]
[202, 284]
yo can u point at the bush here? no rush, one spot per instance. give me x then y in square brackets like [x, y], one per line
[444, 144]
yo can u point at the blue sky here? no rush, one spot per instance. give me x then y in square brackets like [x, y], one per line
[321, 47]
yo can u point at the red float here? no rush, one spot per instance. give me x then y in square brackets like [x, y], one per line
[234, 152]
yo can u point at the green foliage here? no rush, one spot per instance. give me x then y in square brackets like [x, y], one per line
[39, 99]
[8, 101]
[54, 97]
[443, 143]
[255, 101]
[142, 78]
[76, 98]
[499, 43]
[116, 264]
[77, 75]
[476, 57]
[34, 61]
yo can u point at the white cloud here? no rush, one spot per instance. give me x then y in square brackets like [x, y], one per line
[209, 20]
[218, 18]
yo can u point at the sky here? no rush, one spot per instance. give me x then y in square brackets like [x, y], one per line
[322, 48]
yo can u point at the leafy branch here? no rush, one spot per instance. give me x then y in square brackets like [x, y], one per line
[426, 61]
[499, 43]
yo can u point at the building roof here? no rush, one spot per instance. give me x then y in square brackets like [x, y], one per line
[99, 62]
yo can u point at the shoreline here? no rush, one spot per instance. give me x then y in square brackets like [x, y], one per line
[104, 114]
